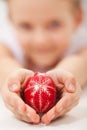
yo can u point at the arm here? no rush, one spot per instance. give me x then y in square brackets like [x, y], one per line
[7, 63]
[77, 65]
[12, 73]
[70, 75]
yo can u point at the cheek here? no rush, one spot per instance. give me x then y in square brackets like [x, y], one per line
[62, 39]
[24, 40]
[24, 43]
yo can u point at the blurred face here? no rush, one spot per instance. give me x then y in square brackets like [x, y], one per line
[44, 28]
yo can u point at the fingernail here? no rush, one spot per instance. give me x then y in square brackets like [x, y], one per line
[14, 87]
[71, 87]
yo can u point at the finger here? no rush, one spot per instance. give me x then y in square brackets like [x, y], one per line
[23, 118]
[17, 106]
[16, 102]
[32, 114]
[27, 117]
[46, 118]
[63, 78]
[51, 115]
[63, 106]
[18, 115]
[25, 109]
[16, 80]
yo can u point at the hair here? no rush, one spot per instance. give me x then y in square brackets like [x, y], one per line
[76, 3]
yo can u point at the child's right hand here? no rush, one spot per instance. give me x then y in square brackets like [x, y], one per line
[11, 95]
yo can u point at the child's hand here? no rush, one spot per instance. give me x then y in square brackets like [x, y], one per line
[12, 98]
[71, 92]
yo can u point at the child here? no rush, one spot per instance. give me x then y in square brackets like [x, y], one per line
[44, 30]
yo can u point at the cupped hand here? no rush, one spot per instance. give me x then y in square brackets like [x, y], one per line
[70, 89]
[11, 94]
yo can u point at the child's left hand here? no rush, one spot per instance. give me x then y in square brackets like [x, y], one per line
[71, 92]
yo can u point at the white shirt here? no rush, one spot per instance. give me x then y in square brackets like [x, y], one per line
[7, 34]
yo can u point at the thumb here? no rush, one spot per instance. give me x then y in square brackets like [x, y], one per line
[70, 87]
[16, 80]
[15, 87]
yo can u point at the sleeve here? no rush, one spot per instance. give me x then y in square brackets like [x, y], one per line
[7, 34]
[78, 41]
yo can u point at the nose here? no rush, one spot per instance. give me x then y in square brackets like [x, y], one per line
[40, 37]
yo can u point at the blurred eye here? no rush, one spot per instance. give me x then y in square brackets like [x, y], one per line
[54, 25]
[25, 26]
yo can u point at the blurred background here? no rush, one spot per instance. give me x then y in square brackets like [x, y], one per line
[84, 5]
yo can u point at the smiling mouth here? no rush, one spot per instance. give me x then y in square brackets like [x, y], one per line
[44, 51]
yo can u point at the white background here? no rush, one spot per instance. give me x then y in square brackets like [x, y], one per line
[84, 3]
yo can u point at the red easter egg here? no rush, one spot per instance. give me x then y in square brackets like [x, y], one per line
[40, 92]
